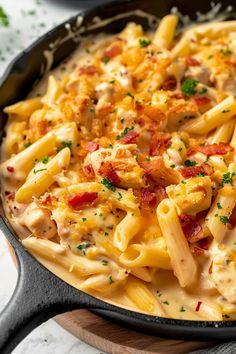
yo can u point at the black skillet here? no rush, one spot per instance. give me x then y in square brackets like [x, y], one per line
[39, 294]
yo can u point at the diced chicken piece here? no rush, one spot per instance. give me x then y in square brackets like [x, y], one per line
[38, 221]
[200, 73]
[225, 82]
[179, 111]
[192, 196]
[158, 171]
[223, 271]
[123, 162]
[105, 93]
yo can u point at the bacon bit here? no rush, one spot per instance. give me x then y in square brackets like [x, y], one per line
[10, 195]
[169, 84]
[89, 171]
[10, 169]
[129, 137]
[191, 228]
[198, 306]
[190, 61]
[138, 106]
[202, 214]
[91, 146]
[113, 51]
[202, 101]
[140, 121]
[148, 199]
[80, 200]
[89, 70]
[197, 251]
[232, 218]
[211, 149]
[46, 200]
[159, 143]
[204, 243]
[106, 170]
[160, 193]
[195, 170]
[210, 268]
[178, 95]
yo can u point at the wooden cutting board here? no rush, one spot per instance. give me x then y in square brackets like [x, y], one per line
[112, 338]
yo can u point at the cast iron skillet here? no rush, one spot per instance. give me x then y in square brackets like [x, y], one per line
[39, 294]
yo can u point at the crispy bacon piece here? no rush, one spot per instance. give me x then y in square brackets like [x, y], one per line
[191, 228]
[106, 170]
[148, 199]
[10, 169]
[159, 143]
[197, 251]
[178, 95]
[204, 243]
[129, 137]
[193, 171]
[10, 195]
[89, 70]
[113, 51]
[91, 146]
[211, 149]
[198, 306]
[89, 171]
[160, 193]
[232, 218]
[169, 84]
[202, 101]
[190, 61]
[80, 200]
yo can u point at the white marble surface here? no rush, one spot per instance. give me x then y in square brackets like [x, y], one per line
[28, 20]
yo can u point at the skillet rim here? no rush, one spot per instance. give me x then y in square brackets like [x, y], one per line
[210, 326]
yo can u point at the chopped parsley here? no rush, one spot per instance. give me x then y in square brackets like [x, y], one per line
[182, 309]
[224, 219]
[64, 144]
[219, 206]
[122, 120]
[226, 51]
[120, 196]
[172, 166]
[130, 94]
[189, 87]
[4, 20]
[225, 111]
[45, 159]
[84, 219]
[180, 149]
[108, 184]
[210, 57]
[106, 59]
[83, 246]
[202, 91]
[144, 42]
[125, 131]
[41, 169]
[110, 280]
[104, 262]
[189, 163]
[166, 302]
[148, 158]
[227, 178]
[201, 174]
[27, 144]
[112, 81]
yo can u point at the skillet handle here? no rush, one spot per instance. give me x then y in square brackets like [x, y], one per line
[38, 296]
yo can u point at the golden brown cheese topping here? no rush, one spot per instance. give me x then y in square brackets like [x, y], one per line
[118, 173]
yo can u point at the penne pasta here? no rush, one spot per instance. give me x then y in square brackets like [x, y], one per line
[181, 257]
[165, 32]
[223, 133]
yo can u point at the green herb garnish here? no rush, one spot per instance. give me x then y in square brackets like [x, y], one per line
[64, 144]
[189, 163]
[226, 51]
[227, 178]
[27, 144]
[130, 94]
[182, 309]
[4, 20]
[104, 262]
[45, 159]
[125, 131]
[41, 169]
[110, 280]
[189, 87]
[105, 59]
[219, 206]
[224, 219]
[108, 184]
[83, 246]
[144, 42]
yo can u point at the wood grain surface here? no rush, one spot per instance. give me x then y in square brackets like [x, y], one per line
[112, 338]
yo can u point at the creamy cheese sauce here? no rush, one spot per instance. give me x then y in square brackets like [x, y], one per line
[202, 300]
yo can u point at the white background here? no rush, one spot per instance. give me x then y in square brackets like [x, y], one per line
[28, 20]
